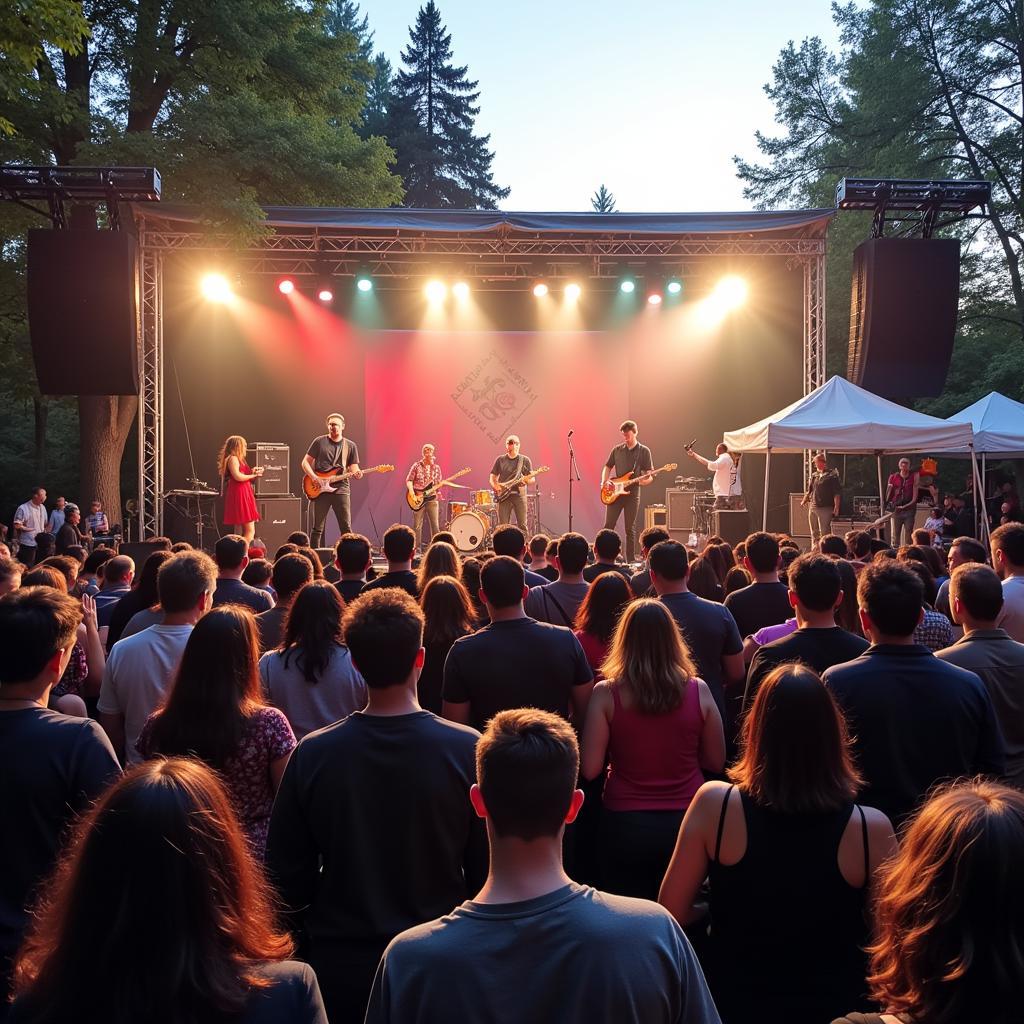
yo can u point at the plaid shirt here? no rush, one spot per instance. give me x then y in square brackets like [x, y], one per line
[935, 631]
[422, 476]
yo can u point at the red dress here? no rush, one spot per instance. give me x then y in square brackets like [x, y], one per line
[240, 499]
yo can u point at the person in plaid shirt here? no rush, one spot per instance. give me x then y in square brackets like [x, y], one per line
[422, 475]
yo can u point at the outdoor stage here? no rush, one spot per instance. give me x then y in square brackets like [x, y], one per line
[464, 372]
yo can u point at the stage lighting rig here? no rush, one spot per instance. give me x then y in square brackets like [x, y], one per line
[573, 291]
[627, 286]
[540, 289]
[286, 286]
[364, 284]
[920, 202]
[674, 286]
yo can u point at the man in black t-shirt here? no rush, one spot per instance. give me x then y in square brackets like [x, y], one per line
[399, 544]
[607, 545]
[332, 451]
[231, 558]
[514, 661]
[765, 602]
[353, 558]
[372, 831]
[508, 467]
[629, 457]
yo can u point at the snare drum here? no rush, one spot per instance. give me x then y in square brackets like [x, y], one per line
[483, 497]
[456, 508]
[469, 528]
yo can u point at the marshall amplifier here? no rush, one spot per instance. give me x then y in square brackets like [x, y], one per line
[278, 518]
[275, 459]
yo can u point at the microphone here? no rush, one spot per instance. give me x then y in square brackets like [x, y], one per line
[690, 445]
[571, 432]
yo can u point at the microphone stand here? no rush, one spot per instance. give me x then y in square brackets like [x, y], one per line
[574, 474]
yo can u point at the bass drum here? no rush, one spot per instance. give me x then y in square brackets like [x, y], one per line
[469, 529]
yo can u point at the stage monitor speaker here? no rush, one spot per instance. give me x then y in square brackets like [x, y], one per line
[278, 518]
[799, 524]
[275, 459]
[903, 315]
[138, 552]
[680, 508]
[83, 311]
[732, 525]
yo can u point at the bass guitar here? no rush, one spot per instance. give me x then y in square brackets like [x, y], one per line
[508, 489]
[327, 483]
[619, 486]
[415, 501]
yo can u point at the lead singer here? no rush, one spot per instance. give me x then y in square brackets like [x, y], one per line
[629, 457]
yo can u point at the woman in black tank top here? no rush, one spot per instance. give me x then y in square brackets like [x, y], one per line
[789, 857]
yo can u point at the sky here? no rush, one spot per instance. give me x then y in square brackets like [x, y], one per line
[650, 97]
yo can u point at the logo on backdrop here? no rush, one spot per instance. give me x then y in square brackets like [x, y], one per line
[494, 395]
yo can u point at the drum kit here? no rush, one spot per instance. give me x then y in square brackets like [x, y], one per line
[472, 522]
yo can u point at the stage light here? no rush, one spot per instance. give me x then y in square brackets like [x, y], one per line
[286, 286]
[573, 291]
[215, 288]
[730, 293]
[540, 289]
[325, 294]
[364, 284]
[674, 287]
[628, 286]
[436, 290]
[460, 290]
[654, 299]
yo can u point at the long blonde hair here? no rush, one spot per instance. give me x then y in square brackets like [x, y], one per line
[234, 445]
[648, 655]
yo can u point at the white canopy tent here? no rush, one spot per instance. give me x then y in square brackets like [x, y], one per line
[841, 417]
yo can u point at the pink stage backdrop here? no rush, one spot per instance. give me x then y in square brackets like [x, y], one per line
[466, 391]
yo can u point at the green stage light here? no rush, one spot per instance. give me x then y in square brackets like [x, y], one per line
[674, 287]
[364, 284]
[628, 286]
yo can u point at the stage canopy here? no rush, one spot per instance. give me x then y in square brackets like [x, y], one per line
[841, 417]
[998, 424]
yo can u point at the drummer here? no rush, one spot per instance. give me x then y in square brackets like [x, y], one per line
[424, 474]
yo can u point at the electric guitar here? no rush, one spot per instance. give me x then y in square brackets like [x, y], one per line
[508, 489]
[619, 486]
[326, 483]
[415, 501]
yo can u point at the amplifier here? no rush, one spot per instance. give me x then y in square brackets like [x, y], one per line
[655, 515]
[275, 460]
[732, 525]
[799, 524]
[680, 508]
[278, 518]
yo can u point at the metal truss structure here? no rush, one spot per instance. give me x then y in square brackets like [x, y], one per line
[497, 260]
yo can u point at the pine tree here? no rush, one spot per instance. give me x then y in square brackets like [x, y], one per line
[442, 162]
[343, 16]
[379, 96]
[603, 201]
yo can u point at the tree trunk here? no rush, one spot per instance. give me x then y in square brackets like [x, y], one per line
[40, 411]
[104, 424]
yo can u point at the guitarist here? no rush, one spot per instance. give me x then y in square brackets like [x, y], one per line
[506, 468]
[425, 473]
[629, 457]
[332, 451]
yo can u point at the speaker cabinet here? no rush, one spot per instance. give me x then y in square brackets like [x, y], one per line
[680, 508]
[278, 518]
[83, 311]
[799, 524]
[275, 460]
[903, 315]
[732, 525]
[655, 515]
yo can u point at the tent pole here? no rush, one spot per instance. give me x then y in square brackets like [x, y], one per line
[767, 480]
[881, 491]
[984, 483]
[979, 498]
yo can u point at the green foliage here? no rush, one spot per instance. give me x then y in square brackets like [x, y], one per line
[602, 201]
[430, 125]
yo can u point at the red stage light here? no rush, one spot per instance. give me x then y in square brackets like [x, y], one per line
[286, 286]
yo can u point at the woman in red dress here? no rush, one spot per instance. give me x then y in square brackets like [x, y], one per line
[239, 499]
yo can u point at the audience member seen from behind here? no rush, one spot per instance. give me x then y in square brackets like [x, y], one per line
[371, 831]
[916, 720]
[539, 558]
[607, 548]
[658, 729]
[949, 917]
[258, 574]
[598, 615]
[291, 573]
[1008, 560]
[510, 540]
[310, 676]
[440, 559]
[51, 766]
[992, 654]
[352, 557]
[158, 912]
[231, 555]
[118, 574]
[558, 602]
[789, 859]
[766, 601]
[640, 583]
[214, 711]
[399, 545]
[513, 953]
[447, 615]
[703, 580]
[736, 579]
[10, 575]
[142, 598]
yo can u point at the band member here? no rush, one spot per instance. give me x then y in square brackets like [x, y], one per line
[726, 484]
[423, 474]
[508, 467]
[824, 494]
[901, 501]
[332, 451]
[240, 511]
[629, 457]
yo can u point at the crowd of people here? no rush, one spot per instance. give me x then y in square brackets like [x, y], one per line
[736, 784]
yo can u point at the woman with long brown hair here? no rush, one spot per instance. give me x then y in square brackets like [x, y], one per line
[656, 727]
[240, 511]
[448, 614]
[215, 712]
[598, 615]
[440, 559]
[949, 918]
[159, 913]
[789, 857]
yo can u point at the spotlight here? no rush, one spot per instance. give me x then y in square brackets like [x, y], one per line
[654, 299]
[540, 289]
[215, 288]
[674, 287]
[436, 290]
[730, 292]
[364, 284]
[286, 286]
[628, 286]
[573, 291]
[460, 290]
[325, 294]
